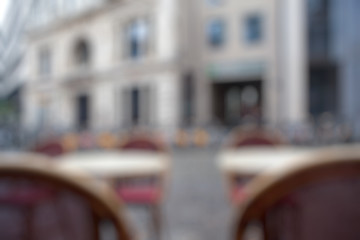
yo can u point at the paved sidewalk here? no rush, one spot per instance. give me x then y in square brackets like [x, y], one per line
[196, 207]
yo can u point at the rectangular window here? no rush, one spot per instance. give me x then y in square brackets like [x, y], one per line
[188, 98]
[216, 33]
[44, 62]
[214, 2]
[137, 39]
[253, 28]
[319, 28]
[83, 112]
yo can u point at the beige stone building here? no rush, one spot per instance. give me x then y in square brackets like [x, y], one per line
[110, 65]
[250, 60]
[164, 63]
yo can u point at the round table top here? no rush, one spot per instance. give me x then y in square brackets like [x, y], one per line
[115, 163]
[253, 160]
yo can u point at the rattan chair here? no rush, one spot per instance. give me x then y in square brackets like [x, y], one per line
[252, 136]
[147, 191]
[51, 148]
[317, 199]
[244, 137]
[39, 201]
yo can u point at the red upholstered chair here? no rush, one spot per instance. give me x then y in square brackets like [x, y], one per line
[51, 148]
[243, 137]
[143, 142]
[147, 190]
[38, 201]
[143, 191]
[317, 200]
[254, 137]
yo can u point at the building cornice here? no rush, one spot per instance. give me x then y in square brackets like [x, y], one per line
[66, 22]
[118, 71]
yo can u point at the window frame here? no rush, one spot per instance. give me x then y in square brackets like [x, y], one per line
[144, 46]
[245, 23]
[44, 62]
[209, 36]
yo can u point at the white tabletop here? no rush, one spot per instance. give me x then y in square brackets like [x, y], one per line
[111, 164]
[253, 160]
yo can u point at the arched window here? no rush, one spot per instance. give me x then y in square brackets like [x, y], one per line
[82, 53]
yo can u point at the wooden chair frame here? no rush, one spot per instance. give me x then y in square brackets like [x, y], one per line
[242, 133]
[101, 198]
[264, 191]
[155, 210]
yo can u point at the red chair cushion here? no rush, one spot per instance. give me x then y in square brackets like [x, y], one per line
[238, 194]
[254, 141]
[51, 149]
[140, 145]
[139, 194]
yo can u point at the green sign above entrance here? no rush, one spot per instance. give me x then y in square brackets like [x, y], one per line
[239, 70]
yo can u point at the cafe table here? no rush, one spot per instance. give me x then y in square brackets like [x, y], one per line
[254, 160]
[116, 164]
[133, 167]
[239, 166]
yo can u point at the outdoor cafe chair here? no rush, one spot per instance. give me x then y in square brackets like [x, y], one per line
[51, 148]
[316, 199]
[40, 202]
[253, 137]
[145, 191]
[242, 137]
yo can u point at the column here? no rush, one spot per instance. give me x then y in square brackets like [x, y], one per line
[293, 49]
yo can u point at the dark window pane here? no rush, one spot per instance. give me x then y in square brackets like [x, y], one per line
[82, 53]
[137, 37]
[216, 32]
[83, 111]
[253, 29]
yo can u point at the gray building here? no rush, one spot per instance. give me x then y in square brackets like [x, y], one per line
[334, 55]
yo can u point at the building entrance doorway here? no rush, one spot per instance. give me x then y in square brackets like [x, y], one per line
[235, 102]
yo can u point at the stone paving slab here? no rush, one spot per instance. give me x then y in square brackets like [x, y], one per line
[196, 207]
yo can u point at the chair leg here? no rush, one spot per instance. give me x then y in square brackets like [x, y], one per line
[157, 220]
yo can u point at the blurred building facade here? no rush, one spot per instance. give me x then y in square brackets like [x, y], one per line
[287, 63]
[104, 65]
[251, 61]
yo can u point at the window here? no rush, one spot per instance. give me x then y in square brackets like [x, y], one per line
[44, 62]
[83, 111]
[216, 32]
[253, 29]
[319, 28]
[137, 38]
[214, 2]
[82, 53]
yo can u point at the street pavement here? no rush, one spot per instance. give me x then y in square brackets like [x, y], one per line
[196, 207]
